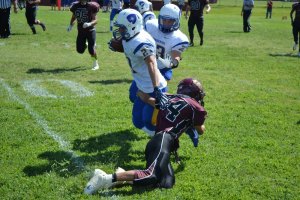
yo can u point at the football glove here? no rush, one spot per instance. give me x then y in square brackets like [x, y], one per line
[193, 134]
[161, 99]
[86, 25]
[110, 47]
[69, 28]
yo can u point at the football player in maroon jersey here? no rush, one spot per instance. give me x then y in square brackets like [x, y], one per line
[30, 13]
[184, 111]
[296, 25]
[86, 15]
[196, 17]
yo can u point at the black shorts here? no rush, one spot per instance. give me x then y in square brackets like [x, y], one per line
[31, 15]
[158, 172]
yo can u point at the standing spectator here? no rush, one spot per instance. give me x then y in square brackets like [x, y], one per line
[5, 6]
[246, 13]
[184, 111]
[269, 9]
[53, 4]
[126, 4]
[296, 25]
[116, 7]
[30, 13]
[86, 15]
[196, 8]
[180, 4]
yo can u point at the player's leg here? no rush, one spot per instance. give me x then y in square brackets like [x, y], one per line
[29, 13]
[91, 38]
[81, 42]
[132, 91]
[295, 35]
[111, 18]
[191, 25]
[199, 24]
[137, 113]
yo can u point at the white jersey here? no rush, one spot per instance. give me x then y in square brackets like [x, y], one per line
[166, 42]
[136, 50]
[116, 4]
[148, 15]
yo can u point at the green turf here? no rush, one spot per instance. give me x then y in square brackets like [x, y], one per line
[249, 151]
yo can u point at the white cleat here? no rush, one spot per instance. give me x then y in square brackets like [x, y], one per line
[100, 180]
[295, 46]
[95, 65]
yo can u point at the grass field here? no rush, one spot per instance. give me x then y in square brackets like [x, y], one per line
[59, 119]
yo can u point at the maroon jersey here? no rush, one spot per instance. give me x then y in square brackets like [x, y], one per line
[182, 113]
[30, 5]
[296, 8]
[84, 13]
[196, 7]
[270, 4]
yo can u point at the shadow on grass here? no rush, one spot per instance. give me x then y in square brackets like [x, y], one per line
[284, 54]
[108, 82]
[110, 148]
[61, 162]
[54, 71]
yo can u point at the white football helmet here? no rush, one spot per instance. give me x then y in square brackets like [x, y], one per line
[142, 6]
[129, 23]
[169, 12]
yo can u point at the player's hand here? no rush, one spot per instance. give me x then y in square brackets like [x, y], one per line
[174, 63]
[86, 25]
[194, 136]
[69, 28]
[161, 99]
[110, 47]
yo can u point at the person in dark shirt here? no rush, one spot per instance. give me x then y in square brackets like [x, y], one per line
[30, 13]
[86, 15]
[269, 9]
[196, 8]
[296, 25]
[183, 111]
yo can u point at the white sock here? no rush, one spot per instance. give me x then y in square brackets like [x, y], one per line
[150, 133]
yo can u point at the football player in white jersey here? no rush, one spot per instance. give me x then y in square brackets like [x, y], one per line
[140, 51]
[146, 10]
[170, 41]
[116, 7]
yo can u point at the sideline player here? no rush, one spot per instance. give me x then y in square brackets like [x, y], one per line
[183, 112]
[146, 10]
[30, 13]
[296, 25]
[140, 51]
[86, 15]
[116, 7]
[196, 17]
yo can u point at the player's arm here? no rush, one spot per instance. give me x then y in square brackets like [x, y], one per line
[187, 9]
[94, 19]
[146, 98]
[176, 57]
[208, 8]
[14, 2]
[200, 129]
[153, 70]
[291, 15]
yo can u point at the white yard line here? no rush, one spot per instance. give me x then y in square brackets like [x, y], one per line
[65, 145]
